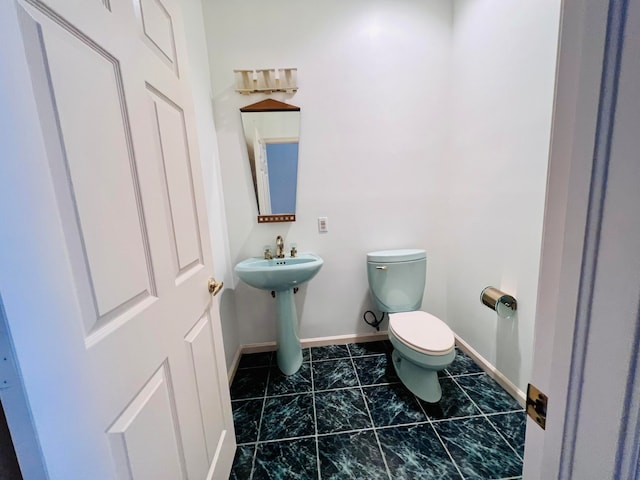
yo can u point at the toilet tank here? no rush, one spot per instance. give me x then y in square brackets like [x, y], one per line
[397, 278]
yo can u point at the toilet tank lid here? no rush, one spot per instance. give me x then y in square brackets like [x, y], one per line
[401, 255]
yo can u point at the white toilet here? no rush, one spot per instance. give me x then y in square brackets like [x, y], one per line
[422, 343]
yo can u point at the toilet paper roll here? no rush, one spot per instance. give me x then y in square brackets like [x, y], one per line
[505, 305]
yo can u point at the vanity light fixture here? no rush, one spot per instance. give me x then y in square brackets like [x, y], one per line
[266, 80]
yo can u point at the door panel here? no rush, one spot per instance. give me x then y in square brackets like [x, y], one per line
[173, 150]
[86, 81]
[139, 349]
[145, 436]
[200, 340]
[157, 26]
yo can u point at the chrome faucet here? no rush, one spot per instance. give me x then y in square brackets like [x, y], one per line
[279, 247]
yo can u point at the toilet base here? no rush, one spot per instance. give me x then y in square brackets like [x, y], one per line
[419, 372]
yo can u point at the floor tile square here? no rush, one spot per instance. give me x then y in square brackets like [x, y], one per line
[367, 348]
[478, 450]
[242, 463]
[246, 418]
[393, 405]
[351, 456]
[334, 374]
[487, 394]
[374, 370]
[341, 410]
[250, 360]
[512, 426]
[288, 459]
[463, 364]
[287, 417]
[249, 383]
[453, 404]
[416, 453]
[299, 382]
[329, 352]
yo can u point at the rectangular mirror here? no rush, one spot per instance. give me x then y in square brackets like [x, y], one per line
[271, 133]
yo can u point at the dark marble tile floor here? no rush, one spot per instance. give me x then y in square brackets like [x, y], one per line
[345, 415]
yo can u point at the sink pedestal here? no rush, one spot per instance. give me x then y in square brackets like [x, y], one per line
[289, 351]
[282, 276]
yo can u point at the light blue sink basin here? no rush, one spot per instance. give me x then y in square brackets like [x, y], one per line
[279, 274]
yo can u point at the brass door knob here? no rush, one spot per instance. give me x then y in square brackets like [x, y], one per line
[214, 287]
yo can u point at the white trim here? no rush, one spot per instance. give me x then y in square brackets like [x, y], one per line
[343, 339]
[233, 368]
[579, 70]
[603, 380]
[258, 347]
[493, 372]
[249, 348]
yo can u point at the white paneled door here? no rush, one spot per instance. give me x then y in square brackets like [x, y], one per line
[105, 243]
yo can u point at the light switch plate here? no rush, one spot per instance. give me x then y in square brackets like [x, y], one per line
[323, 224]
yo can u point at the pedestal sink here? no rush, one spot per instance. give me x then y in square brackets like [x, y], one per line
[282, 275]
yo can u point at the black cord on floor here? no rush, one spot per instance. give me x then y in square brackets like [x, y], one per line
[375, 322]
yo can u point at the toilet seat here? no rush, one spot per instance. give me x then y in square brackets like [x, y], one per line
[422, 332]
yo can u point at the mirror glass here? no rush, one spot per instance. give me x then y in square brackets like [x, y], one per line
[271, 133]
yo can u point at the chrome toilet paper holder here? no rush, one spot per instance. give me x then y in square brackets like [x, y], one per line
[504, 304]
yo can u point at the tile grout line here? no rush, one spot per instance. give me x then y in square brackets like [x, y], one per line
[264, 403]
[319, 360]
[477, 374]
[440, 439]
[386, 384]
[366, 405]
[355, 430]
[382, 427]
[493, 414]
[465, 417]
[486, 417]
[315, 415]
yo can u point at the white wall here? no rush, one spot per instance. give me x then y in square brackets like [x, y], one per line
[208, 145]
[503, 69]
[373, 78]
[417, 130]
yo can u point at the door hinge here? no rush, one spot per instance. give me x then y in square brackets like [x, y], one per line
[537, 406]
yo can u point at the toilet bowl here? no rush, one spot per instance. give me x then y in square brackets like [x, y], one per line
[422, 343]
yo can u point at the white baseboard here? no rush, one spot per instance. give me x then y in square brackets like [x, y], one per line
[250, 348]
[504, 382]
[234, 364]
[258, 347]
[343, 339]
